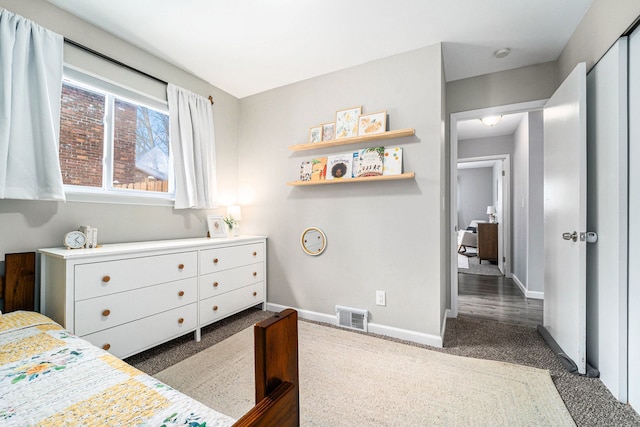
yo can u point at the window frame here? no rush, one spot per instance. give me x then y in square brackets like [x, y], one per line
[107, 193]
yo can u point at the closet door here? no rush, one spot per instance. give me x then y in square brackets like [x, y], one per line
[607, 201]
[634, 220]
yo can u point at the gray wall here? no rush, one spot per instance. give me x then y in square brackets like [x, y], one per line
[381, 235]
[482, 147]
[475, 193]
[535, 205]
[503, 88]
[28, 225]
[527, 203]
[520, 202]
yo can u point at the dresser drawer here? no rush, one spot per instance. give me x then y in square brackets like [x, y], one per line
[218, 259]
[133, 337]
[224, 281]
[218, 307]
[105, 312]
[104, 278]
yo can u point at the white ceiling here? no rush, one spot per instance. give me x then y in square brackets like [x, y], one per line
[471, 129]
[248, 46]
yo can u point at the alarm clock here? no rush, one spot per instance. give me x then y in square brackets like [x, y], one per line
[75, 240]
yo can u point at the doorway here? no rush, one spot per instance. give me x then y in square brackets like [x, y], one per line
[506, 219]
[483, 197]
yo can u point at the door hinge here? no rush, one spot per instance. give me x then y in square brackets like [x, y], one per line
[503, 174]
[504, 259]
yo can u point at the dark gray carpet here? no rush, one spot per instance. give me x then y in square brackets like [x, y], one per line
[587, 399]
[160, 358]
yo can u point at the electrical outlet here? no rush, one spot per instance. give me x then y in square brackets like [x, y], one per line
[381, 298]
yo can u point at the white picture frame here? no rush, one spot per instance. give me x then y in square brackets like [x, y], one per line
[347, 122]
[216, 226]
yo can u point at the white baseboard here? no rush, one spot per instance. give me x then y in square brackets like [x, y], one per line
[375, 328]
[527, 293]
[305, 314]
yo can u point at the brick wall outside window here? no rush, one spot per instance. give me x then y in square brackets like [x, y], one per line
[124, 143]
[81, 136]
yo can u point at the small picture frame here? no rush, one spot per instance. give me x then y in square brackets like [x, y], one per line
[216, 226]
[373, 123]
[329, 131]
[315, 134]
[347, 122]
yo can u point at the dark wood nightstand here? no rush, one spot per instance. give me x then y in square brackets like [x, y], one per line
[487, 241]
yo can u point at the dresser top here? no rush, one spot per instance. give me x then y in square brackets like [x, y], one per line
[134, 247]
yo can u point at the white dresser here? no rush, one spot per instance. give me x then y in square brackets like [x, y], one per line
[128, 297]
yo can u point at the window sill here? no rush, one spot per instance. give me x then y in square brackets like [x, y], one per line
[121, 198]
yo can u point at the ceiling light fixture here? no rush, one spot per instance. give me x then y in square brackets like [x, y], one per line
[491, 120]
[501, 53]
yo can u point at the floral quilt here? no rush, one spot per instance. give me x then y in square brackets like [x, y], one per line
[49, 377]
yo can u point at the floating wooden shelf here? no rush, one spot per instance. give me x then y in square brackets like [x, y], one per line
[407, 175]
[354, 139]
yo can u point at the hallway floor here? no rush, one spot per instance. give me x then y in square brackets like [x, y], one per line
[496, 298]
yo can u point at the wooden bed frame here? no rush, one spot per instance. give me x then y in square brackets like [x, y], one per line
[276, 373]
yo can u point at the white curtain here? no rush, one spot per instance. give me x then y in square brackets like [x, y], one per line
[30, 88]
[193, 148]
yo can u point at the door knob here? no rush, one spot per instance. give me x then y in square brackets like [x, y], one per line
[570, 236]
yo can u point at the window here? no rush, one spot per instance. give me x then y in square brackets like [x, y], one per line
[114, 143]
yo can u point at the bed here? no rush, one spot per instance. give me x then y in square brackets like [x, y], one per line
[49, 377]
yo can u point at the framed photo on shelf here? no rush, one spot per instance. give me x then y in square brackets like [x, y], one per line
[328, 131]
[216, 226]
[347, 122]
[315, 134]
[371, 124]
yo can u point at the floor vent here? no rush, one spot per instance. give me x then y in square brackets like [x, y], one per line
[352, 318]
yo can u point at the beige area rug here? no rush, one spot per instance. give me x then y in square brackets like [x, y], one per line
[349, 379]
[463, 261]
[470, 264]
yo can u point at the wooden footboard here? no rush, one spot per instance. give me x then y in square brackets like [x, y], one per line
[276, 372]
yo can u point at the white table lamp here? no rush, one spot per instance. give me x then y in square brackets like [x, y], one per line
[491, 211]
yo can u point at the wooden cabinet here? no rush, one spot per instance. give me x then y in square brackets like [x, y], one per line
[487, 241]
[132, 296]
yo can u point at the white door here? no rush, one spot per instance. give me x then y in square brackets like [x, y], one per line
[565, 216]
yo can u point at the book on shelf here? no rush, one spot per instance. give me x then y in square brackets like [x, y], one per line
[305, 171]
[340, 166]
[392, 161]
[319, 169]
[370, 162]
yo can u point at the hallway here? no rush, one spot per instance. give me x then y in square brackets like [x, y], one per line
[496, 298]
